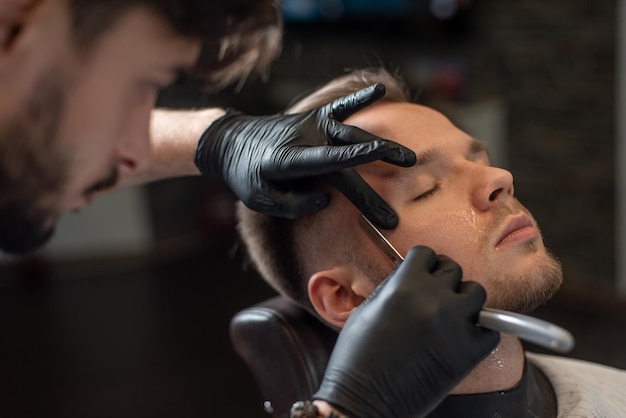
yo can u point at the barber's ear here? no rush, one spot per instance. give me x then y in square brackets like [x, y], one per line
[334, 294]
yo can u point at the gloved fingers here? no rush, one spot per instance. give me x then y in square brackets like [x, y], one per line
[391, 152]
[421, 256]
[448, 271]
[290, 205]
[485, 339]
[419, 260]
[301, 161]
[346, 106]
[474, 291]
[357, 191]
[472, 296]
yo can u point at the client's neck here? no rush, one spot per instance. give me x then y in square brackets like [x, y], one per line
[501, 370]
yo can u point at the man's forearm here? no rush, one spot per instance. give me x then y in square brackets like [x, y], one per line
[174, 137]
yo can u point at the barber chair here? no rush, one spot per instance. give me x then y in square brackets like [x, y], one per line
[285, 347]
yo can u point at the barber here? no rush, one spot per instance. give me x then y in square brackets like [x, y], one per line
[408, 344]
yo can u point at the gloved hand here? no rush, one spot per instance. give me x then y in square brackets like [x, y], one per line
[268, 161]
[409, 343]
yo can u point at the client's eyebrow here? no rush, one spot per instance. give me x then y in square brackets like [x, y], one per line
[477, 146]
[426, 157]
[405, 175]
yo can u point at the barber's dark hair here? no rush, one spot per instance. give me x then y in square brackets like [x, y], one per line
[270, 242]
[238, 36]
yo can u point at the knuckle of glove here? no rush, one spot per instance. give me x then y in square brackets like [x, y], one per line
[422, 255]
[476, 291]
[339, 108]
[263, 203]
[448, 269]
[257, 195]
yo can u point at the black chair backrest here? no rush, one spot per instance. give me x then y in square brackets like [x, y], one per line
[285, 347]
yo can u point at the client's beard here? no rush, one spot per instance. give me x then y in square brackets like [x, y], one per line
[32, 168]
[530, 291]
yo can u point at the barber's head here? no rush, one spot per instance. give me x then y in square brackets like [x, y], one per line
[452, 200]
[79, 79]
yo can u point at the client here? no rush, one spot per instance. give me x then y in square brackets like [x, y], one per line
[456, 203]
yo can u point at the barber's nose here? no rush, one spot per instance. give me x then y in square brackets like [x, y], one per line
[493, 186]
[134, 150]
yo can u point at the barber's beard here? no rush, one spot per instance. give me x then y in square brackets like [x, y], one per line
[32, 170]
[524, 292]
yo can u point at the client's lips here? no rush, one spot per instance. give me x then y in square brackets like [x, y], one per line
[519, 228]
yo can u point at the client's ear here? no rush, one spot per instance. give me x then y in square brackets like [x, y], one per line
[334, 294]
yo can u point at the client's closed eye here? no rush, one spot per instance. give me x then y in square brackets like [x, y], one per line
[428, 193]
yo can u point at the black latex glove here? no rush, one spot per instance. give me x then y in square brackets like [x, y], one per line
[409, 343]
[268, 160]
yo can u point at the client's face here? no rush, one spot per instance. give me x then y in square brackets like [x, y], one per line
[453, 201]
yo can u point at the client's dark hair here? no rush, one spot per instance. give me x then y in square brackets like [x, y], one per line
[271, 242]
[238, 36]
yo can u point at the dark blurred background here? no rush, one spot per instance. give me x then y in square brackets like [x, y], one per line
[126, 313]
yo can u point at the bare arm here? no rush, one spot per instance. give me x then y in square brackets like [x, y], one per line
[175, 135]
